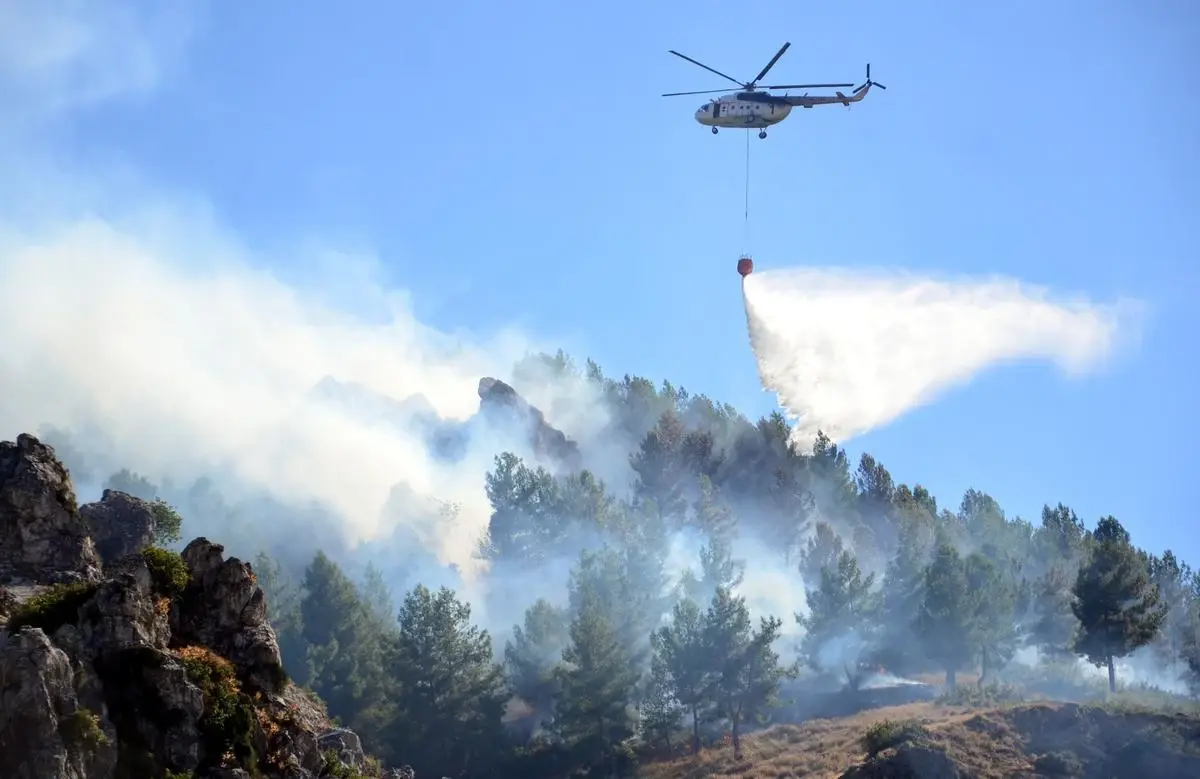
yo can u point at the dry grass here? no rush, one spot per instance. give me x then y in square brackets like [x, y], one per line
[819, 748]
[988, 743]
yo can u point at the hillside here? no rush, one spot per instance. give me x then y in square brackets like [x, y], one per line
[119, 658]
[654, 569]
[932, 741]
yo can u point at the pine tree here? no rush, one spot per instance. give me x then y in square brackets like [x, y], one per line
[343, 649]
[747, 673]
[526, 524]
[840, 606]
[377, 597]
[902, 594]
[1054, 626]
[717, 569]
[1173, 579]
[712, 513]
[447, 694]
[631, 585]
[1190, 641]
[821, 552]
[598, 679]
[133, 484]
[1118, 607]
[661, 472]
[680, 650]
[1060, 540]
[660, 712]
[533, 654]
[283, 610]
[946, 620]
[994, 631]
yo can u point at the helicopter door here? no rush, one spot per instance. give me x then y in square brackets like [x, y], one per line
[716, 109]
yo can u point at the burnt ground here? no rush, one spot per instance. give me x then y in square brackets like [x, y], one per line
[932, 740]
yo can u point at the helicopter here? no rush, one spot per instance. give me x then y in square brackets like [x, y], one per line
[751, 109]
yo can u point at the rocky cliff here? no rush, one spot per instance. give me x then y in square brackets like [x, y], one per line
[122, 659]
[503, 406]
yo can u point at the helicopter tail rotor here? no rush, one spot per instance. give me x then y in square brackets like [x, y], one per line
[868, 82]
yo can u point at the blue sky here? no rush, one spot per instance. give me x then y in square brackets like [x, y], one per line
[513, 163]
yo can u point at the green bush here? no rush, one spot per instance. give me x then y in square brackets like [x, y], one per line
[890, 733]
[977, 697]
[82, 729]
[228, 716]
[1132, 700]
[333, 768]
[168, 571]
[53, 607]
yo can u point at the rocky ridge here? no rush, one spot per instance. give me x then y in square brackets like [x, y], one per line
[501, 404]
[501, 407]
[124, 660]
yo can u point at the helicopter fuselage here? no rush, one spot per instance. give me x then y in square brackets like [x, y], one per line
[750, 110]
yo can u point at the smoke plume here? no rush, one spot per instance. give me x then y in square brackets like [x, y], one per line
[849, 351]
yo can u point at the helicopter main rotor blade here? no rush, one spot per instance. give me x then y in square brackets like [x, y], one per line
[698, 92]
[771, 64]
[706, 67]
[807, 86]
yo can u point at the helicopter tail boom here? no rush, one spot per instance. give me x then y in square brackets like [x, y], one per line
[808, 101]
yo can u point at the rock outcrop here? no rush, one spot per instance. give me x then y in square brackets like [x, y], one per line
[157, 662]
[502, 405]
[43, 540]
[119, 523]
[224, 608]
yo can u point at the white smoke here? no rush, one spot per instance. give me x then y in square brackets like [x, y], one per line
[188, 370]
[133, 318]
[849, 351]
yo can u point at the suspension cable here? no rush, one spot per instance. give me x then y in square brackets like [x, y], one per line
[746, 212]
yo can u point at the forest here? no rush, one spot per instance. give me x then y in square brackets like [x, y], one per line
[637, 654]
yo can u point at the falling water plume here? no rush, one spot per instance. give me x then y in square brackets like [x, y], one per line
[847, 351]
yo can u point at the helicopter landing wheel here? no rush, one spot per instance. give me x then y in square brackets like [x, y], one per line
[714, 131]
[762, 133]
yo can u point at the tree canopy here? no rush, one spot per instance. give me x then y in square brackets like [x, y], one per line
[652, 638]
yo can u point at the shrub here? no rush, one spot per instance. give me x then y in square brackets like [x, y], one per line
[82, 729]
[334, 768]
[53, 607]
[978, 697]
[890, 733]
[168, 571]
[1143, 701]
[228, 713]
